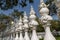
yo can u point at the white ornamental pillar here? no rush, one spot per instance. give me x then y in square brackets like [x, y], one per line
[16, 38]
[45, 20]
[21, 36]
[12, 30]
[33, 24]
[25, 26]
[20, 28]
[11, 36]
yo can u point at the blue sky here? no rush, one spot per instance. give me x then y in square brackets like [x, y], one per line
[27, 8]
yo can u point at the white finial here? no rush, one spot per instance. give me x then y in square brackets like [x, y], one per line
[25, 21]
[43, 8]
[32, 14]
[24, 13]
[42, 4]
[32, 11]
[31, 7]
[20, 24]
[20, 19]
[32, 17]
[41, 1]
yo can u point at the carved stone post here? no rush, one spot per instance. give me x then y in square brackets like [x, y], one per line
[45, 20]
[25, 26]
[33, 24]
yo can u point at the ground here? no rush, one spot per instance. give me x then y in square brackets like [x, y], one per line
[57, 38]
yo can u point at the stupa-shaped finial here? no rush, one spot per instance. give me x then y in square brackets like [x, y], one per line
[19, 24]
[25, 20]
[20, 20]
[32, 17]
[42, 4]
[32, 14]
[32, 7]
[32, 10]
[43, 8]
[25, 15]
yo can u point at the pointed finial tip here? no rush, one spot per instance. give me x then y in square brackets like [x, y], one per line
[31, 7]
[24, 12]
[32, 10]
[20, 17]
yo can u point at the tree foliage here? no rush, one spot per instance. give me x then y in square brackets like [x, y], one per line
[17, 14]
[52, 7]
[40, 26]
[7, 4]
[4, 20]
[55, 25]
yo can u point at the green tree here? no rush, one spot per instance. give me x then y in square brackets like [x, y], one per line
[4, 21]
[52, 7]
[16, 14]
[7, 4]
[40, 26]
[55, 25]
